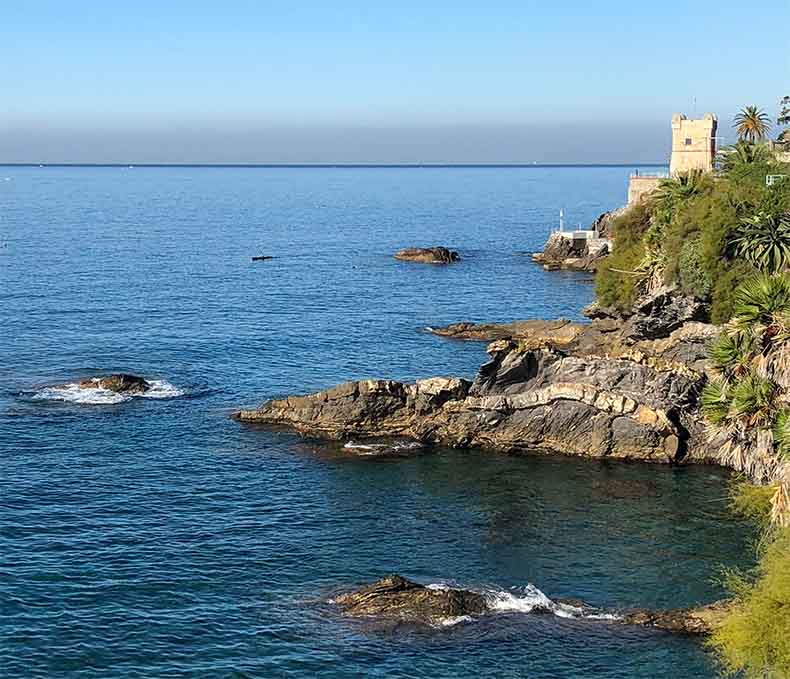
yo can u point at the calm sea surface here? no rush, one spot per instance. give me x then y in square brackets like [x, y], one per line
[155, 537]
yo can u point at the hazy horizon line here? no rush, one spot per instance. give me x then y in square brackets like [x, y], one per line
[133, 165]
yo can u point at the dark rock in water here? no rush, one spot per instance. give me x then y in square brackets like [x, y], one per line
[395, 597]
[436, 255]
[700, 620]
[121, 383]
[260, 258]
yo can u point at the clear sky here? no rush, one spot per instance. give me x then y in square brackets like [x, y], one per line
[366, 81]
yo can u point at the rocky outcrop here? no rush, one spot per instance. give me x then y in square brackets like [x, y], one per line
[683, 349]
[562, 252]
[523, 399]
[120, 383]
[435, 255]
[700, 620]
[396, 598]
[618, 388]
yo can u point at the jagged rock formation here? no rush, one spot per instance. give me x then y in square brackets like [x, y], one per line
[664, 328]
[436, 255]
[120, 383]
[396, 598]
[580, 389]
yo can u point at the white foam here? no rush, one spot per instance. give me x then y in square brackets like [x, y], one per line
[74, 393]
[162, 389]
[376, 448]
[531, 598]
[450, 622]
[525, 602]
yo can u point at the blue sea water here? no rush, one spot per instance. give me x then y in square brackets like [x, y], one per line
[155, 537]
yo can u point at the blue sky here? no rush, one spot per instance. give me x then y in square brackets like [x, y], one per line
[350, 81]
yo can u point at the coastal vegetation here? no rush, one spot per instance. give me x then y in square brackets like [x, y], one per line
[706, 233]
[724, 237]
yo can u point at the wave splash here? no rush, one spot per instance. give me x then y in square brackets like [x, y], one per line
[72, 392]
[528, 599]
[382, 448]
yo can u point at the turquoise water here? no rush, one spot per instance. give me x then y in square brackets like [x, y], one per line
[157, 538]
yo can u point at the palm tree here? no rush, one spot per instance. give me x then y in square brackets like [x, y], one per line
[764, 241]
[752, 124]
[747, 402]
[742, 154]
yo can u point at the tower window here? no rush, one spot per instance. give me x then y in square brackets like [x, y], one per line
[688, 141]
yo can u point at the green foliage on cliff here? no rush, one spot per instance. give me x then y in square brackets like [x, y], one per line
[754, 638]
[704, 233]
[620, 287]
[746, 407]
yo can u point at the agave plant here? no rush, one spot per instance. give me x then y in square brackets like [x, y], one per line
[672, 191]
[764, 241]
[742, 154]
[752, 124]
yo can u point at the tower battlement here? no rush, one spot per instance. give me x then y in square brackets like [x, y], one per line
[693, 144]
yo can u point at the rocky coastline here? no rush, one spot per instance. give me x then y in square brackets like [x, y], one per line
[617, 387]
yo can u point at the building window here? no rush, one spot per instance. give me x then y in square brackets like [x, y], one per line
[688, 141]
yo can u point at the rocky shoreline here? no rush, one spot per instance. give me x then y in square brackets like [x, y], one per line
[623, 388]
[397, 599]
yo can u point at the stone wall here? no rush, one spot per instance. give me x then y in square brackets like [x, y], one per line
[639, 186]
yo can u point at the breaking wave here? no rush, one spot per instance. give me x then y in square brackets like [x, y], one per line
[530, 599]
[73, 393]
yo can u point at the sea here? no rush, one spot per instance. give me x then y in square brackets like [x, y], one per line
[156, 537]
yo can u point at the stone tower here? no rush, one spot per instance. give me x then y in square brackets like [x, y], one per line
[693, 144]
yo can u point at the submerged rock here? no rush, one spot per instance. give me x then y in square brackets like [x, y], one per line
[700, 620]
[120, 383]
[435, 255]
[395, 597]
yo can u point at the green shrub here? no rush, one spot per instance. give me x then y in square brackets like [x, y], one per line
[617, 282]
[754, 637]
[687, 229]
[693, 277]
